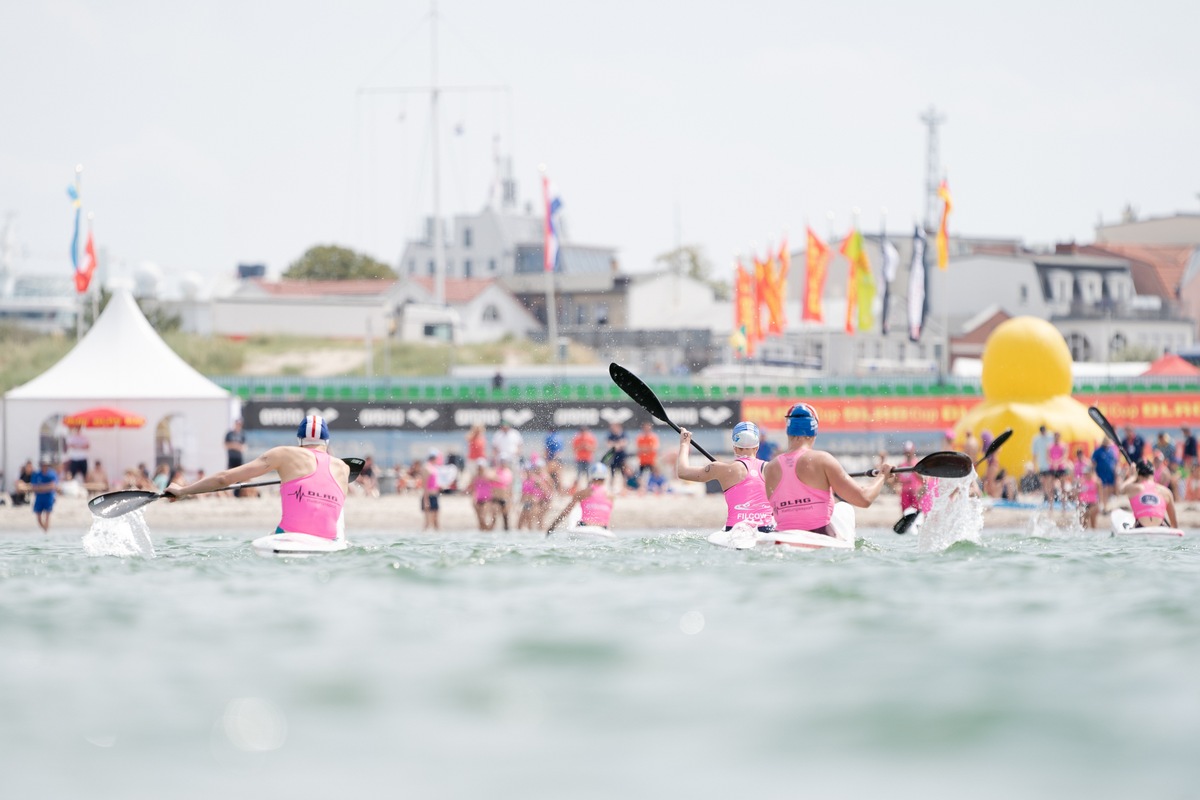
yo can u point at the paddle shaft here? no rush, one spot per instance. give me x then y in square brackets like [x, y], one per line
[644, 396]
[1110, 432]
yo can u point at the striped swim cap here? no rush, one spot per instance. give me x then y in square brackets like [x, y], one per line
[745, 434]
[802, 420]
[313, 430]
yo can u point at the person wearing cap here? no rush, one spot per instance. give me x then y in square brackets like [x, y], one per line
[1152, 504]
[312, 487]
[430, 489]
[594, 500]
[43, 485]
[802, 482]
[741, 479]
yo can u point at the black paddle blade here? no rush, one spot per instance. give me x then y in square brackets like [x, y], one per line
[903, 524]
[638, 391]
[945, 464]
[356, 467]
[996, 444]
[115, 504]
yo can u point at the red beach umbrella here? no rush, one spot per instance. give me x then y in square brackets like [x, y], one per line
[105, 417]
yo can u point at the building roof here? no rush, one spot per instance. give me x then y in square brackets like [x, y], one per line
[1156, 268]
[459, 291]
[291, 288]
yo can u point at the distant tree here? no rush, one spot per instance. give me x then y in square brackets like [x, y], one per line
[161, 320]
[690, 260]
[329, 262]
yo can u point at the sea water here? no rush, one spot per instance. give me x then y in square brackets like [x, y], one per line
[469, 665]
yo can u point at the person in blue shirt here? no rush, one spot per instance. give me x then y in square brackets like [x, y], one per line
[44, 485]
[553, 446]
[1104, 460]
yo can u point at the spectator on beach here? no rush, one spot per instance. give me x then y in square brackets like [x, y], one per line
[1164, 445]
[367, 479]
[553, 446]
[476, 444]
[1104, 461]
[1163, 474]
[43, 485]
[647, 450]
[912, 484]
[1187, 449]
[1191, 485]
[657, 482]
[1133, 445]
[77, 454]
[96, 481]
[481, 494]
[448, 474]
[1087, 495]
[20, 496]
[235, 449]
[766, 450]
[584, 446]
[971, 446]
[502, 485]
[507, 443]
[1040, 447]
[617, 446]
[1056, 454]
[162, 476]
[430, 490]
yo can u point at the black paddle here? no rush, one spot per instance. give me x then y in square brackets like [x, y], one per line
[1110, 432]
[123, 501]
[906, 521]
[942, 464]
[642, 395]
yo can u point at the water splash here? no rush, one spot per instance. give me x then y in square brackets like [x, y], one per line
[956, 516]
[123, 536]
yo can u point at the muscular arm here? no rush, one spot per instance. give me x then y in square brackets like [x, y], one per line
[847, 488]
[226, 477]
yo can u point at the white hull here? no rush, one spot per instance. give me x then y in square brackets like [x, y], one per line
[571, 527]
[1124, 524]
[744, 537]
[296, 544]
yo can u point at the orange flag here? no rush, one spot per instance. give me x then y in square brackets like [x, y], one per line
[943, 234]
[762, 280]
[746, 309]
[815, 264]
[773, 296]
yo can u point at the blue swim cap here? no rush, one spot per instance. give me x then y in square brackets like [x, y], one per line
[802, 420]
[313, 430]
[745, 434]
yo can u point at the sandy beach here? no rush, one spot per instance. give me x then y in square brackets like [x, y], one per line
[680, 510]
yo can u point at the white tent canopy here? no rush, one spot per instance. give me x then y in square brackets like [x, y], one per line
[121, 362]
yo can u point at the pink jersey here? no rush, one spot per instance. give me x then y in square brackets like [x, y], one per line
[798, 506]
[1147, 503]
[483, 489]
[596, 508]
[502, 483]
[313, 504]
[747, 499]
[1089, 489]
[1057, 453]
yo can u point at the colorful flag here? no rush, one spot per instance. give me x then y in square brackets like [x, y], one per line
[891, 261]
[785, 266]
[76, 203]
[860, 284]
[762, 281]
[816, 262]
[746, 308]
[943, 234]
[771, 288]
[83, 277]
[553, 204]
[916, 285]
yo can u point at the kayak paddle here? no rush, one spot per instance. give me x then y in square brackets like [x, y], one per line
[1110, 432]
[942, 464]
[644, 396]
[123, 501]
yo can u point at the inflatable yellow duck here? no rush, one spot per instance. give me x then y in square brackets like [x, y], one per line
[1026, 384]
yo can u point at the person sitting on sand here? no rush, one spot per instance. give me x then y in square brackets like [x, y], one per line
[312, 488]
[1152, 504]
[801, 482]
[741, 479]
[594, 500]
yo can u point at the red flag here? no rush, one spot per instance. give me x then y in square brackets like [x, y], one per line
[815, 263]
[83, 276]
[943, 234]
[747, 308]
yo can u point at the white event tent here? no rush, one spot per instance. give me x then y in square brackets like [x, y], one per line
[122, 363]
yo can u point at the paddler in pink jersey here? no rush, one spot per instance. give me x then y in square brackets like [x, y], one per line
[801, 482]
[1152, 504]
[741, 479]
[313, 484]
[595, 503]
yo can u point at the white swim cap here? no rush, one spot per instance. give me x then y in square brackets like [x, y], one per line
[745, 434]
[598, 472]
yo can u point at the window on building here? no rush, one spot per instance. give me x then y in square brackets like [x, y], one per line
[1080, 347]
[467, 237]
[467, 268]
[491, 313]
[601, 313]
[1023, 294]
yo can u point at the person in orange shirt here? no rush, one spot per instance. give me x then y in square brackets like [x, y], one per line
[584, 445]
[647, 450]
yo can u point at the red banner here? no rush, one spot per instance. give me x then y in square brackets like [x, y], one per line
[920, 414]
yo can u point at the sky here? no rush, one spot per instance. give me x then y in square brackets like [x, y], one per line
[219, 133]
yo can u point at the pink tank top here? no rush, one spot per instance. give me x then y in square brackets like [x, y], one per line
[313, 504]
[747, 499]
[483, 489]
[1088, 490]
[1057, 453]
[1147, 503]
[596, 508]
[431, 482]
[798, 506]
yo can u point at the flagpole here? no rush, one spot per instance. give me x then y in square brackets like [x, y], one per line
[75, 248]
[548, 269]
